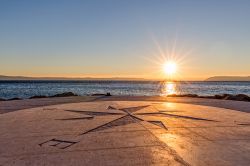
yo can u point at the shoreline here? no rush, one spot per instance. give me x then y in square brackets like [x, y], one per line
[236, 97]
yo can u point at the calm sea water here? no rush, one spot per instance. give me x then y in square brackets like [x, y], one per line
[26, 89]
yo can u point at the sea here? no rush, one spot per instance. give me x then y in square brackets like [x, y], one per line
[28, 88]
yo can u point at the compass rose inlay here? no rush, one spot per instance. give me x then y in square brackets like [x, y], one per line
[125, 116]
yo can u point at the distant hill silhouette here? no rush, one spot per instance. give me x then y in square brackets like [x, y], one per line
[9, 78]
[228, 78]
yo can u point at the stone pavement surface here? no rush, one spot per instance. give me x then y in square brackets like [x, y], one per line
[125, 133]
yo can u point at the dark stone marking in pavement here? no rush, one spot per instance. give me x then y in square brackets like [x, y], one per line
[189, 117]
[111, 108]
[61, 144]
[92, 113]
[127, 119]
[244, 124]
[80, 118]
[159, 123]
[175, 116]
[127, 116]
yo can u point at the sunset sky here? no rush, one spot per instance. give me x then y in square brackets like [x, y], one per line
[124, 38]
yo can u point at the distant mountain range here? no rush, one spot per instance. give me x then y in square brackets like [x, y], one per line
[9, 78]
[215, 78]
[228, 78]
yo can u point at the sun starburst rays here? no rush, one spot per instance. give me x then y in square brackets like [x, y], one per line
[172, 54]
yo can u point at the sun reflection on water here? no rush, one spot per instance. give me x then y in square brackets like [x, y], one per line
[169, 88]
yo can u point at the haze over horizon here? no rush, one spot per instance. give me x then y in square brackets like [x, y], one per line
[214, 78]
[124, 38]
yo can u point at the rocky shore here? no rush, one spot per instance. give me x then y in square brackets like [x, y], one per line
[238, 97]
[65, 94]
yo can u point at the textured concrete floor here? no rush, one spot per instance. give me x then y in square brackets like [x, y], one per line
[15, 105]
[125, 133]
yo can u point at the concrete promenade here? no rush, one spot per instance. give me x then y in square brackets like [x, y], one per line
[125, 133]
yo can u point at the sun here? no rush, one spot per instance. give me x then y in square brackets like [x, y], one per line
[170, 68]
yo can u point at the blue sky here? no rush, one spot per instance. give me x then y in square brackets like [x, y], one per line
[105, 38]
